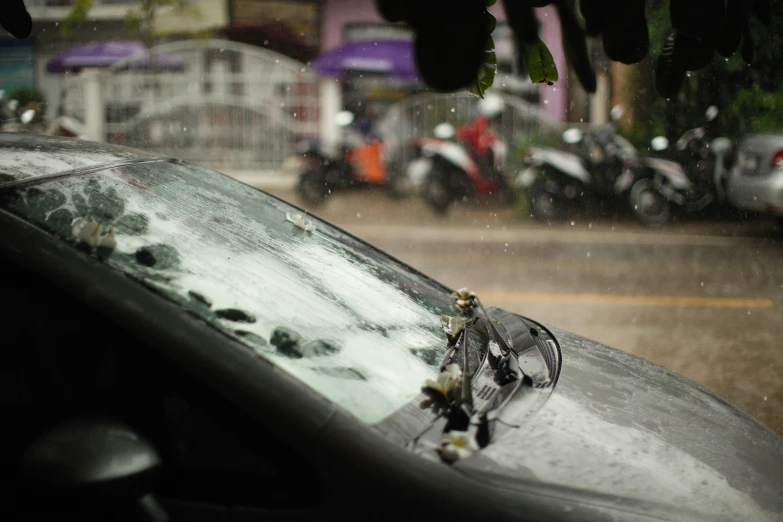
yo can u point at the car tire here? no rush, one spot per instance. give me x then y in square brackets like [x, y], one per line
[312, 188]
[649, 206]
[546, 205]
[437, 190]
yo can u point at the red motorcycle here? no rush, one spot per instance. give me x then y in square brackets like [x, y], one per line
[457, 163]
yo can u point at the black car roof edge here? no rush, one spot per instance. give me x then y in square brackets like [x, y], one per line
[79, 170]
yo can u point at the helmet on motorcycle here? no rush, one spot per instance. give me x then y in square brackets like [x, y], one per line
[491, 105]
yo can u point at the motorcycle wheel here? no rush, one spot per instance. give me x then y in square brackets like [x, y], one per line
[437, 190]
[649, 206]
[312, 188]
[547, 206]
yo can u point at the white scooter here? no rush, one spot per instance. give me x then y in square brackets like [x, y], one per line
[444, 170]
[688, 178]
[596, 170]
[447, 169]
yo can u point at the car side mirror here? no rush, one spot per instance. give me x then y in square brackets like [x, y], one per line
[91, 464]
[617, 112]
[343, 118]
[444, 131]
[711, 113]
[27, 116]
[573, 136]
[659, 143]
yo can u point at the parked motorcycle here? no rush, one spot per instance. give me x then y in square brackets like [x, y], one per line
[448, 167]
[597, 168]
[14, 118]
[358, 163]
[686, 178]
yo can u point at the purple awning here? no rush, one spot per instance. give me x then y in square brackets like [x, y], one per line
[394, 57]
[105, 54]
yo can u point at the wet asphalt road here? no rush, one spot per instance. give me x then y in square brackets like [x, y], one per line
[703, 297]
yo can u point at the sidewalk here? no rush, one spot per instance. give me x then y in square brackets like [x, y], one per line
[373, 208]
[268, 180]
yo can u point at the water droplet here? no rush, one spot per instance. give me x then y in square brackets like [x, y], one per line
[702, 283]
[358, 215]
[572, 223]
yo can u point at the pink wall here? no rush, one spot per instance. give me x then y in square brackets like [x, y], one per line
[336, 13]
[554, 97]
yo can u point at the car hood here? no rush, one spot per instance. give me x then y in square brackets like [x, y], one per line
[620, 427]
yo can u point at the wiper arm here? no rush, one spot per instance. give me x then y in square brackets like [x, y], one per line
[466, 397]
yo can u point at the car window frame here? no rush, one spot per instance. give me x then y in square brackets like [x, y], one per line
[234, 454]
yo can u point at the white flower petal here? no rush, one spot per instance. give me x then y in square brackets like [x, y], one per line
[300, 221]
[456, 445]
[108, 240]
[453, 371]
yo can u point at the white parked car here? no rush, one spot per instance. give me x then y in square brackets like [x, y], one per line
[755, 182]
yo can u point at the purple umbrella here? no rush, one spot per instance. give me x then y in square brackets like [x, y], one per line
[394, 57]
[105, 54]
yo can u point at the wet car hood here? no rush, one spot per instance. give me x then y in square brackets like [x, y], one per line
[620, 427]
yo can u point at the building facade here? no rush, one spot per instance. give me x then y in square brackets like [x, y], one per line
[345, 21]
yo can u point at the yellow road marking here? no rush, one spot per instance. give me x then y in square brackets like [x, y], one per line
[642, 300]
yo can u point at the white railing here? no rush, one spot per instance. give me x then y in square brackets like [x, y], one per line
[228, 106]
[71, 3]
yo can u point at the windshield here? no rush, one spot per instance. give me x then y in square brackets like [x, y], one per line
[359, 328]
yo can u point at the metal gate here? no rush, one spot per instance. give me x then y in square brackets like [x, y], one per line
[227, 105]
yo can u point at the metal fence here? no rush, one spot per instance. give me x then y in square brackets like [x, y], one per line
[216, 103]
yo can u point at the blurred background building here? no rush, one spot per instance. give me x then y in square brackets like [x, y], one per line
[232, 83]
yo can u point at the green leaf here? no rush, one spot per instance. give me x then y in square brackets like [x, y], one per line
[486, 75]
[540, 64]
[489, 3]
[77, 15]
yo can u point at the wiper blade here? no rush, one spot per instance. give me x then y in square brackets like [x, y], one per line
[466, 398]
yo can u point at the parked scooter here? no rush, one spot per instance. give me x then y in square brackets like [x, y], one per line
[448, 167]
[358, 163]
[688, 178]
[18, 119]
[598, 168]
